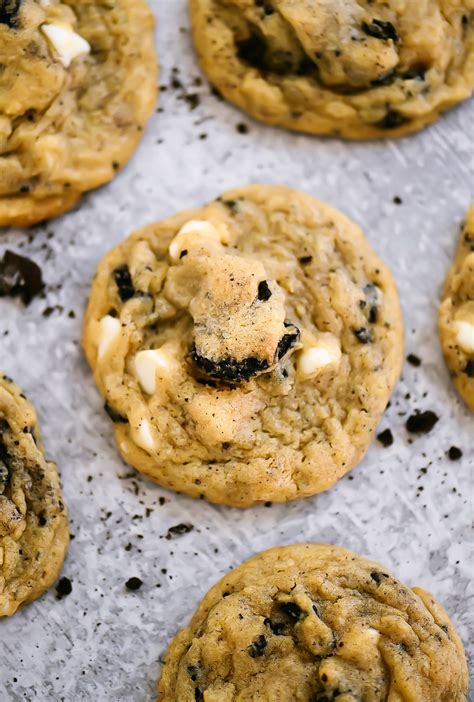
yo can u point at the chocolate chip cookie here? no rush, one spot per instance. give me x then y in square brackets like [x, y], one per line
[354, 69]
[315, 623]
[456, 314]
[247, 349]
[34, 531]
[77, 85]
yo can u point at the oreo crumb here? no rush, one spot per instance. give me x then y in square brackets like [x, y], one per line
[397, 200]
[9, 11]
[114, 415]
[133, 584]
[392, 120]
[292, 610]
[63, 588]
[242, 128]
[421, 422]
[385, 437]
[413, 360]
[363, 334]
[20, 276]
[378, 577]
[257, 648]
[178, 530]
[305, 260]
[276, 628]
[381, 30]
[469, 369]
[264, 292]
[454, 453]
[124, 283]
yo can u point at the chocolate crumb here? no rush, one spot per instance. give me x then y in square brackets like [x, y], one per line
[385, 437]
[133, 584]
[242, 128]
[413, 360]
[421, 422]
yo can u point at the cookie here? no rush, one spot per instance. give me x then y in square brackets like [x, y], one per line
[34, 531]
[315, 623]
[246, 349]
[456, 314]
[354, 69]
[77, 85]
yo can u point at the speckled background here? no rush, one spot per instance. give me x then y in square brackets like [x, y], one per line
[408, 506]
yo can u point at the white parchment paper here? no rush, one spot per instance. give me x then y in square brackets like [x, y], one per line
[407, 506]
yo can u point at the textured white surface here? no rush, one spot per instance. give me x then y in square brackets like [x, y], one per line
[408, 506]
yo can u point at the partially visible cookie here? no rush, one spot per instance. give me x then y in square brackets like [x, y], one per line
[34, 531]
[456, 314]
[77, 85]
[354, 69]
[246, 349]
[315, 623]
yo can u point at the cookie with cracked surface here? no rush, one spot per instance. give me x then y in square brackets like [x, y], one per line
[34, 532]
[246, 349]
[315, 623]
[359, 70]
[77, 85]
[456, 314]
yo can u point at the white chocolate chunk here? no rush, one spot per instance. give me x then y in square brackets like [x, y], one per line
[109, 333]
[143, 436]
[464, 335]
[149, 365]
[318, 355]
[66, 43]
[196, 232]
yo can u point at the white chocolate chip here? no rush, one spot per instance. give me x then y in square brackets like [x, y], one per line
[66, 43]
[109, 333]
[148, 365]
[194, 232]
[464, 335]
[143, 435]
[321, 354]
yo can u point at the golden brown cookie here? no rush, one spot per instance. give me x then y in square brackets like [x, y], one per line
[354, 69]
[34, 531]
[456, 314]
[315, 623]
[246, 349]
[77, 85]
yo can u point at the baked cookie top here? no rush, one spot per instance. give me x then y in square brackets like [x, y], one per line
[456, 314]
[358, 69]
[315, 623]
[77, 85]
[34, 531]
[247, 349]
